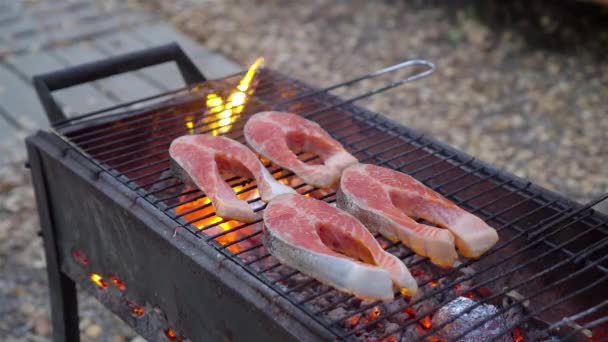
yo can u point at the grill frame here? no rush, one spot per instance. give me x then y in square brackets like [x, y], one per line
[464, 159]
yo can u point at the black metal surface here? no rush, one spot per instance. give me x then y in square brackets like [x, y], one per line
[64, 303]
[543, 235]
[199, 293]
[47, 83]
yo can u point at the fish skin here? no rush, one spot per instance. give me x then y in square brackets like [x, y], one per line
[198, 160]
[294, 226]
[383, 198]
[275, 135]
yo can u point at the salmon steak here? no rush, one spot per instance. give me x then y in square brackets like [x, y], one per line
[278, 136]
[386, 201]
[333, 247]
[204, 160]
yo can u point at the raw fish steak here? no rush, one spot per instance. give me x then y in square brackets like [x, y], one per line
[386, 200]
[203, 159]
[277, 135]
[330, 245]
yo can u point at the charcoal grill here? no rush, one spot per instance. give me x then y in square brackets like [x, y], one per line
[117, 223]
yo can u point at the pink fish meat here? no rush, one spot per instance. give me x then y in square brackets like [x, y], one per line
[332, 246]
[202, 159]
[385, 200]
[277, 135]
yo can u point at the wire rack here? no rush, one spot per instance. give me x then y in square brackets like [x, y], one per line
[550, 260]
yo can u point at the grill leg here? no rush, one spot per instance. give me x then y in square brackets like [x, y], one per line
[64, 305]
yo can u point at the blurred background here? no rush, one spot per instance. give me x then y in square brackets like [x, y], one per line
[520, 84]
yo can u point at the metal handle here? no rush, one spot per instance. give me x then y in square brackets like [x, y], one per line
[89, 72]
[429, 69]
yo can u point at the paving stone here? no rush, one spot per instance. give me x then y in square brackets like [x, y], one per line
[211, 64]
[20, 100]
[80, 99]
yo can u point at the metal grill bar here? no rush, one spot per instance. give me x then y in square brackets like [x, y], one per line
[469, 263]
[142, 165]
[590, 325]
[523, 282]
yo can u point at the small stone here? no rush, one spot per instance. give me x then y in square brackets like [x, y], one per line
[93, 331]
[119, 338]
[42, 325]
[27, 309]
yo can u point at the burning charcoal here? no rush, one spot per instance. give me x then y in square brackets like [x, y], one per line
[487, 332]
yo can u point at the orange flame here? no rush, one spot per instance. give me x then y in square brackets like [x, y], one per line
[229, 108]
[98, 280]
[434, 283]
[206, 209]
[434, 339]
[405, 292]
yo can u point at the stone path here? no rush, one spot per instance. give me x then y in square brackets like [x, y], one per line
[41, 36]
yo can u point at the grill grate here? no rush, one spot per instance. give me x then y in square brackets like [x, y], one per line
[543, 254]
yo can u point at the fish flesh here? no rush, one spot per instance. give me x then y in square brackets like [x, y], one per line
[203, 160]
[277, 135]
[386, 200]
[333, 247]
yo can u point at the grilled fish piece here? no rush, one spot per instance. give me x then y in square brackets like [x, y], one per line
[332, 246]
[200, 160]
[277, 135]
[383, 199]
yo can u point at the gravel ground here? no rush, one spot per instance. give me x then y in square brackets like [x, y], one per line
[533, 103]
[529, 97]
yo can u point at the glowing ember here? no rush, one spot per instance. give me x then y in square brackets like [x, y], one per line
[80, 257]
[426, 322]
[518, 335]
[411, 312]
[98, 280]
[117, 282]
[353, 321]
[171, 334]
[470, 295]
[374, 313]
[417, 273]
[457, 287]
[434, 283]
[484, 292]
[230, 108]
[434, 339]
[138, 310]
[390, 339]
